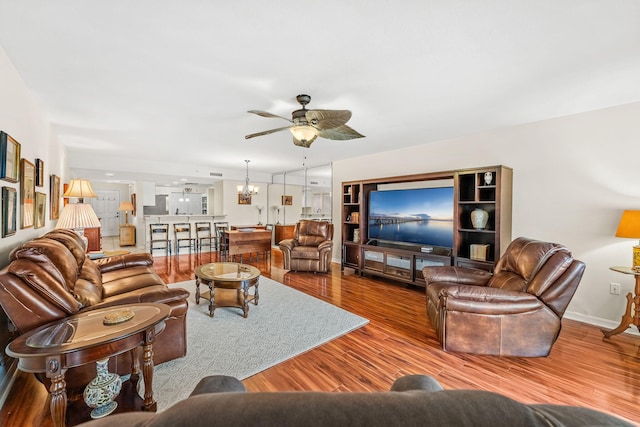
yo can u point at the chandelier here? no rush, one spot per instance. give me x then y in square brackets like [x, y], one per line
[247, 190]
[185, 198]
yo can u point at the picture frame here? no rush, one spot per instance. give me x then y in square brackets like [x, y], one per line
[244, 200]
[9, 211]
[133, 202]
[9, 158]
[65, 200]
[39, 173]
[287, 200]
[40, 209]
[54, 207]
[28, 193]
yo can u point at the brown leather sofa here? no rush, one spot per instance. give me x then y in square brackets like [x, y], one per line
[414, 400]
[50, 278]
[516, 311]
[310, 249]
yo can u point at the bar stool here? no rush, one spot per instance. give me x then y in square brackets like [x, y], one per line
[223, 244]
[159, 235]
[182, 234]
[204, 236]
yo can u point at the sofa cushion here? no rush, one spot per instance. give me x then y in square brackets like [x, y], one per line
[72, 241]
[88, 288]
[56, 253]
[41, 276]
[118, 282]
[305, 252]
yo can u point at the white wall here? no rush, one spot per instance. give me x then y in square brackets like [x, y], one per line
[22, 117]
[572, 178]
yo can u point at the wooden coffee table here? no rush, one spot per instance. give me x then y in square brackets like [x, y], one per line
[83, 338]
[228, 276]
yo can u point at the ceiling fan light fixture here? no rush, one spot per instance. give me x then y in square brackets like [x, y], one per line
[303, 132]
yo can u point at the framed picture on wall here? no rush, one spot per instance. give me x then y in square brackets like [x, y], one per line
[39, 173]
[28, 192]
[244, 199]
[287, 200]
[133, 202]
[55, 197]
[9, 158]
[41, 209]
[9, 210]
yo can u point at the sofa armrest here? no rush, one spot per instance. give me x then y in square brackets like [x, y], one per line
[326, 244]
[487, 300]
[218, 384]
[119, 262]
[460, 275]
[288, 244]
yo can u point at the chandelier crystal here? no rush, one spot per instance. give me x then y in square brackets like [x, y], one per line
[247, 189]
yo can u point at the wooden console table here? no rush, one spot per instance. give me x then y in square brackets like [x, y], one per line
[632, 312]
[83, 338]
[247, 242]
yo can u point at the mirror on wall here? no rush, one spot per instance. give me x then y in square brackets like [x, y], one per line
[303, 193]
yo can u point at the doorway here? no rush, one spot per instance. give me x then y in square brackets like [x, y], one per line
[106, 208]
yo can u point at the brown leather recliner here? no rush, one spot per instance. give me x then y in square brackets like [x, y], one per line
[50, 278]
[516, 311]
[310, 249]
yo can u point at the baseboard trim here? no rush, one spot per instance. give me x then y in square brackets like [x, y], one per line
[598, 321]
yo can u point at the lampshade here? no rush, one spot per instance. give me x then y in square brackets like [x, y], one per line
[80, 188]
[78, 216]
[125, 206]
[629, 227]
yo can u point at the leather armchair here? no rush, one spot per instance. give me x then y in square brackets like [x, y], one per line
[514, 311]
[310, 249]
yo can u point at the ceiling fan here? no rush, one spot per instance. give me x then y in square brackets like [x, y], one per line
[307, 125]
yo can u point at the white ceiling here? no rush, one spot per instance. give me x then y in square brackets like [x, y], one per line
[163, 87]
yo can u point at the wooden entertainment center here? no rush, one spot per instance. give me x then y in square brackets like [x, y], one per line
[487, 188]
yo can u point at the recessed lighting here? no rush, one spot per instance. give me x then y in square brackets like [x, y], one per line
[109, 174]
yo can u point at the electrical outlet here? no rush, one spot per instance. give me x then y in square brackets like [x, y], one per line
[614, 288]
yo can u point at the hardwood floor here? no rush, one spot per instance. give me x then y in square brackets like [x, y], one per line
[583, 369]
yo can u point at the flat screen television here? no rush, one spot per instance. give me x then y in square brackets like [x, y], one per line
[422, 216]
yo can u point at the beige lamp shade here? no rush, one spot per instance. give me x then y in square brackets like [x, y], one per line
[629, 227]
[125, 206]
[78, 216]
[80, 188]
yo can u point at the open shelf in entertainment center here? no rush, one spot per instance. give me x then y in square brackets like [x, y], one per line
[402, 261]
[487, 189]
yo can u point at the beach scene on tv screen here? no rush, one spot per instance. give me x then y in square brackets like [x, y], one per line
[421, 216]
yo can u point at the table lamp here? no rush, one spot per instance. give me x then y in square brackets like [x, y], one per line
[126, 207]
[629, 227]
[79, 216]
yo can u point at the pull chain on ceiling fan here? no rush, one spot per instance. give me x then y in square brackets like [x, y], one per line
[307, 125]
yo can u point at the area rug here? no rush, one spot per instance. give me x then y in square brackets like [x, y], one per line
[284, 324]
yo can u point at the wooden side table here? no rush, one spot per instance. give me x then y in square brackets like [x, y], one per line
[632, 312]
[83, 338]
[127, 235]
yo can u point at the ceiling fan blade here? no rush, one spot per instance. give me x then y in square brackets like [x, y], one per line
[266, 132]
[340, 133]
[306, 143]
[268, 114]
[327, 119]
